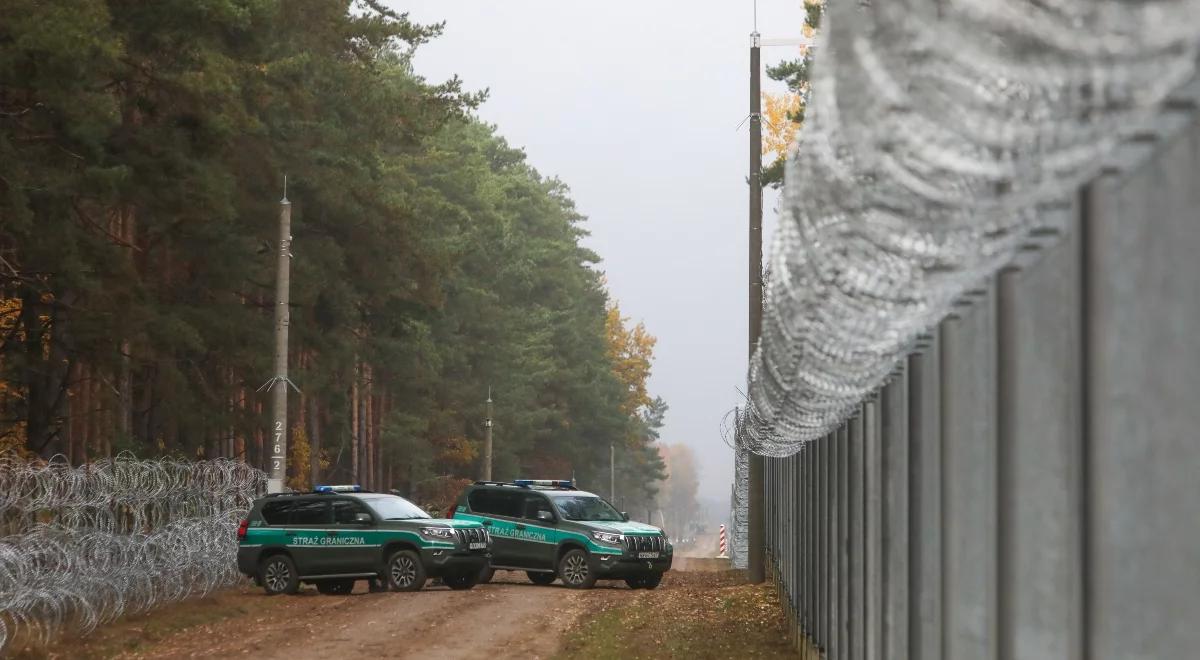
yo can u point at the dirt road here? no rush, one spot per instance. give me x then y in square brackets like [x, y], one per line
[701, 611]
[509, 618]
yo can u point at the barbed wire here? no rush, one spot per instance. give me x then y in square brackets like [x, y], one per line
[937, 136]
[731, 427]
[84, 545]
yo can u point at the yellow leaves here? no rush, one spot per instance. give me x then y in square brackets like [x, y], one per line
[630, 350]
[778, 129]
[457, 451]
[12, 441]
[301, 452]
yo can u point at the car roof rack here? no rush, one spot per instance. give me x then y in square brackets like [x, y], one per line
[325, 490]
[533, 484]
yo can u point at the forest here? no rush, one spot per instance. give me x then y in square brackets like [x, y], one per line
[143, 147]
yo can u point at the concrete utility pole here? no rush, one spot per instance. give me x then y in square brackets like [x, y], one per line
[279, 384]
[612, 473]
[756, 536]
[487, 440]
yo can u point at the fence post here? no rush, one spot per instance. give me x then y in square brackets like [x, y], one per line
[895, 489]
[925, 503]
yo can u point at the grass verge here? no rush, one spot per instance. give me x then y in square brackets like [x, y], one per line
[692, 615]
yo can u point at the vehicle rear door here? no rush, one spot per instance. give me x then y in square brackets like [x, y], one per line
[273, 532]
[354, 544]
[309, 533]
[541, 541]
[500, 512]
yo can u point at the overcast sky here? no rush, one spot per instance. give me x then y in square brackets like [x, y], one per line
[636, 106]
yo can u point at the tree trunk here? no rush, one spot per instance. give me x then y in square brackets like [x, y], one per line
[354, 425]
[369, 431]
[46, 372]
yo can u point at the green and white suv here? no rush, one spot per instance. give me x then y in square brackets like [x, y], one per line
[339, 534]
[551, 530]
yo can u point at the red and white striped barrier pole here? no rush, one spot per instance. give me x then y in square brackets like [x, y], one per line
[722, 555]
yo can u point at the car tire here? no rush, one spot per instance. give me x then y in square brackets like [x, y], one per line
[635, 582]
[278, 575]
[461, 581]
[540, 578]
[405, 571]
[486, 575]
[651, 581]
[339, 587]
[574, 571]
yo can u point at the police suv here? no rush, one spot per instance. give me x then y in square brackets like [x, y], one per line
[551, 530]
[339, 534]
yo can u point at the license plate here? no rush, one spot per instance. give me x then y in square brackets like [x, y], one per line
[647, 555]
[479, 545]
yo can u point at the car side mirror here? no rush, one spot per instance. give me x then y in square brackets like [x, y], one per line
[545, 516]
[362, 519]
[624, 516]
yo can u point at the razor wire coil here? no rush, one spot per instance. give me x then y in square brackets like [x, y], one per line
[937, 135]
[81, 546]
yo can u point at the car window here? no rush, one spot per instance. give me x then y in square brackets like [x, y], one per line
[276, 513]
[497, 502]
[345, 510]
[586, 507]
[394, 507]
[310, 512]
[535, 503]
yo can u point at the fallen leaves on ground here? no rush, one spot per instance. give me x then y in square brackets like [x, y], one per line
[692, 614]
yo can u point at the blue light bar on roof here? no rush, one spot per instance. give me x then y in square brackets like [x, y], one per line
[355, 488]
[546, 483]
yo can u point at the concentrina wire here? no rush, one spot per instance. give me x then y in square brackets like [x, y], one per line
[936, 136]
[81, 546]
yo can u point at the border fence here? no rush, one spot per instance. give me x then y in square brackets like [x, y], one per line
[1027, 483]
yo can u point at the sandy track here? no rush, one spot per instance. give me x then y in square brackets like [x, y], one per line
[506, 619]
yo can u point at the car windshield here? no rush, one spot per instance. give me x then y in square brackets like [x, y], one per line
[395, 508]
[586, 507]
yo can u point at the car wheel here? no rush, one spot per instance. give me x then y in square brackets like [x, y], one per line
[574, 571]
[541, 578]
[461, 581]
[486, 575]
[635, 582]
[278, 575]
[651, 581]
[405, 572]
[335, 587]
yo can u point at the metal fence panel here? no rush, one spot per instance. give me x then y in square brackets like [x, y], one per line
[1040, 455]
[1026, 486]
[873, 525]
[1143, 415]
[969, 481]
[854, 516]
[925, 508]
[895, 529]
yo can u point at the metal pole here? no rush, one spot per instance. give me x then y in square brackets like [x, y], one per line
[279, 384]
[487, 440]
[755, 568]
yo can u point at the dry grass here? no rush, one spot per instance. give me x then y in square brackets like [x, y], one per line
[692, 615]
[131, 634]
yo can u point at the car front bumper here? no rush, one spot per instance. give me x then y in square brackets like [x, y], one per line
[440, 561]
[616, 567]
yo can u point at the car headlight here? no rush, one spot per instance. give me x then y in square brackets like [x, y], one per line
[611, 538]
[438, 533]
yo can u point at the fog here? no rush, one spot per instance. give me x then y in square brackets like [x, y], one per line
[637, 106]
